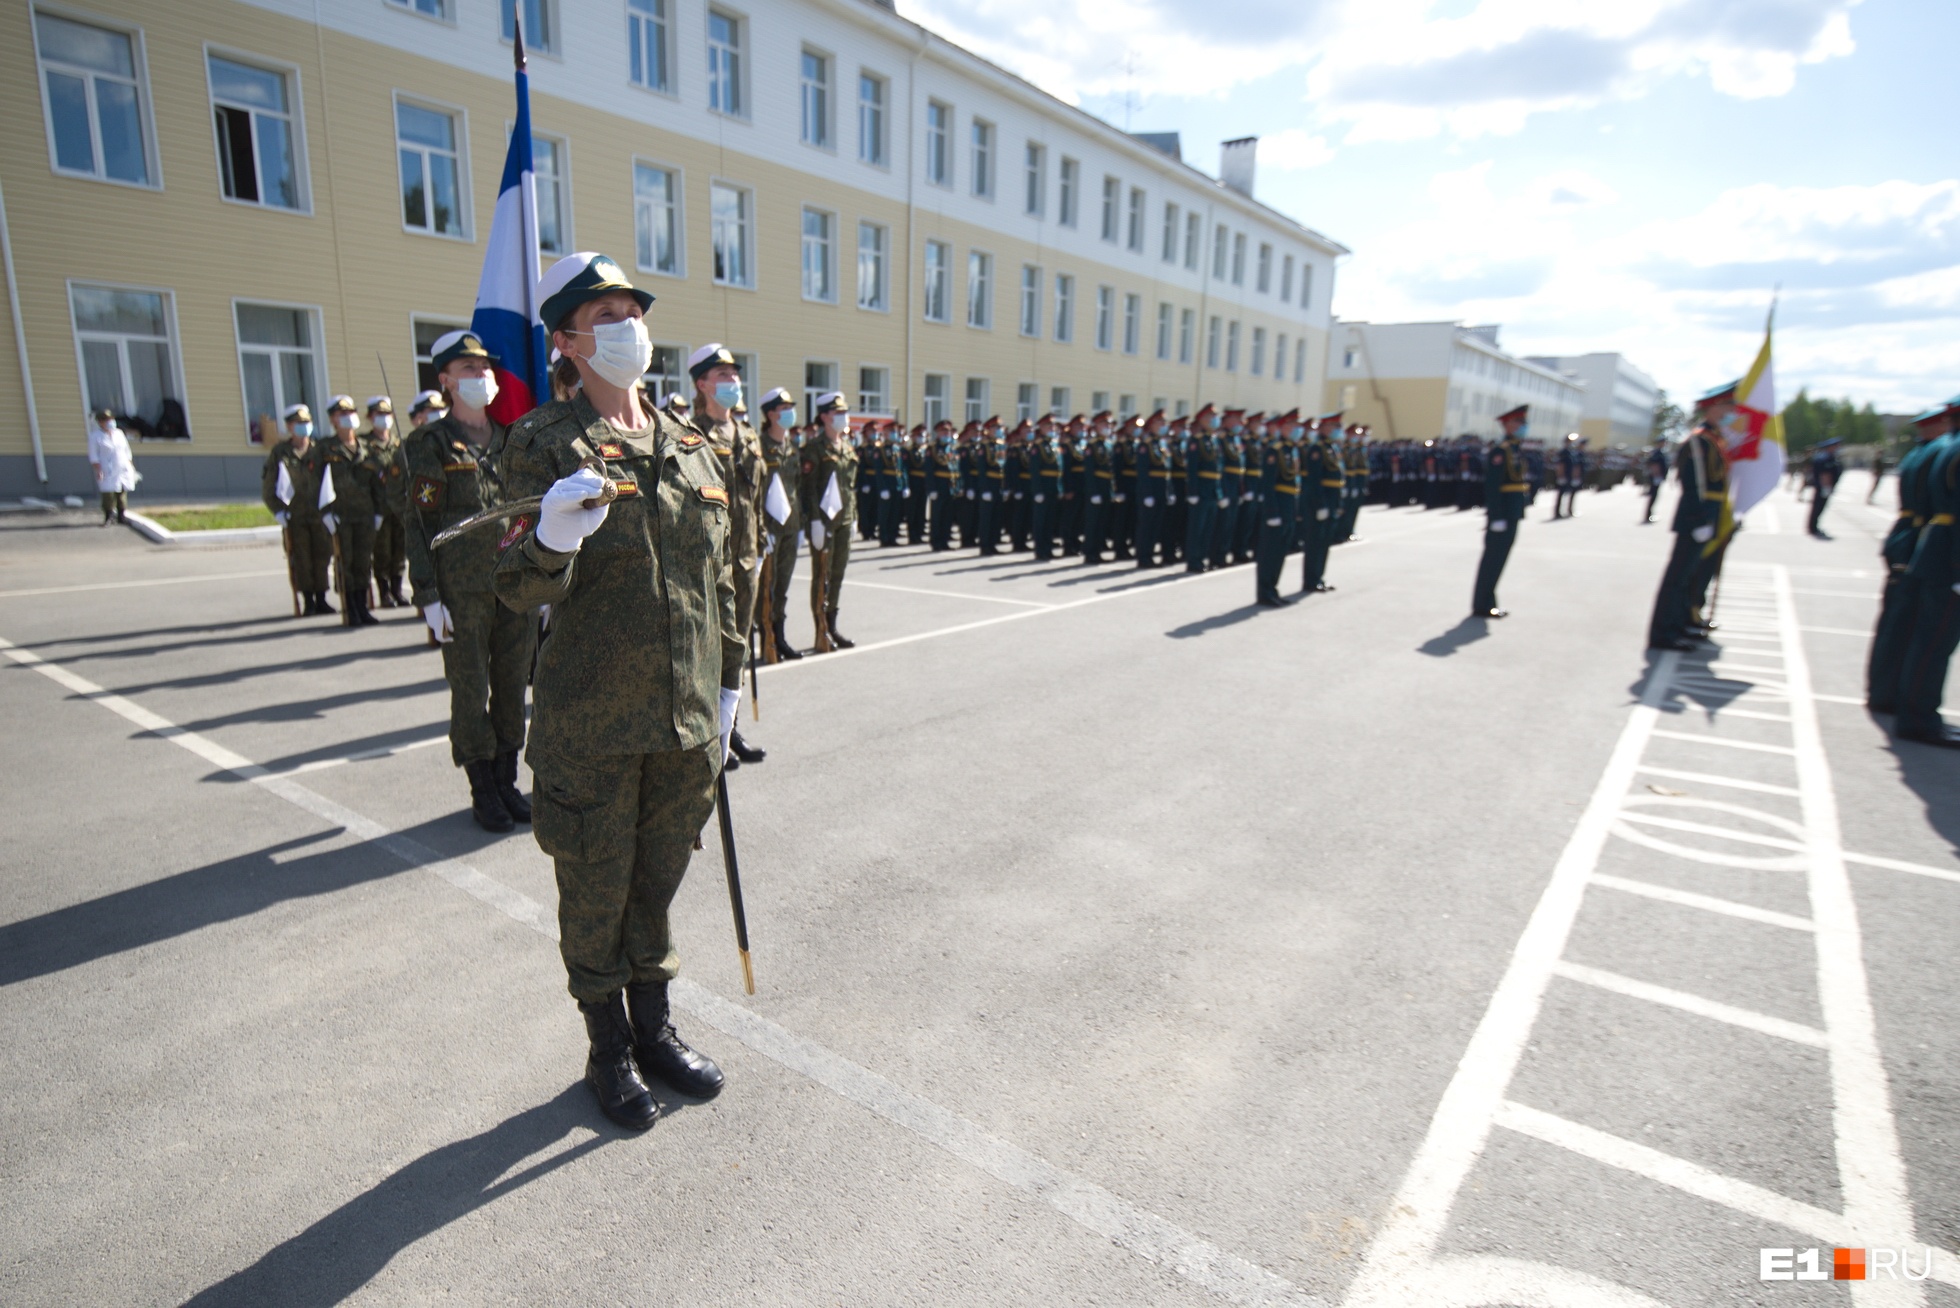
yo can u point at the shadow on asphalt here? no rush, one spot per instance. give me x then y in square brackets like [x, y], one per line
[386, 740]
[1204, 625]
[1467, 632]
[1932, 772]
[231, 676]
[333, 1258]
[306, 709]
[193, 627]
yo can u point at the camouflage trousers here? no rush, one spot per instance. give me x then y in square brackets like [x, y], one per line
[355, 538]
[620, 829]
[837, 555]
[488, 664]
[390, 551]
[308, 551]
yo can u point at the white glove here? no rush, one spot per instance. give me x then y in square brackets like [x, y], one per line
[1190, 499]
[1040, 498]
[1498, 524]
[1956, 588]
[280, 517]
[438, 619]
[332, 523]
[563, 520]
[1702, 535]
[730, 701]
[1095, 499]
[377, 522]
[1320, 515]
[1150, 501]
[1121, 499]
[1272, 522]
[816, 535]
[884, 495]
[987, 496]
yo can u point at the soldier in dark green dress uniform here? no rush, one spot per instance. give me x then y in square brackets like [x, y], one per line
[450, 470]
[1279, 499]
[1152, 490]
[782, 510]
[1323, 482]
[1935, 568]
[290, 486]
[1507, 489]
[383, 446]
[1702, 465]
[638, 679]
[356, 512]
[1899, 603]
[944, 496]
[829, 478]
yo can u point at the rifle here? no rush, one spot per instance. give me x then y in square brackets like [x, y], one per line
[286, 543]
[734, 880]
[766, 594]
[340, 576]
[820, 592]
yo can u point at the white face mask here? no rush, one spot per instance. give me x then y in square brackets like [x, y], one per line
[621, 351]
[383, 421]
[344, 421]
[477, 392]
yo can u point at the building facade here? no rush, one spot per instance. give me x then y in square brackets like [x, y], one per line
[235, 204]
[1421, 380]
[1620, 399]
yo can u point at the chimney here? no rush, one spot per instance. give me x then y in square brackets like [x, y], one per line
[1236, 162]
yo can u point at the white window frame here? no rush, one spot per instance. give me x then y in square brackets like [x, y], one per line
[1105, 317]
[1132, 322]
[1214, 340]
[567, 238]
[677, 204]
[1137, 220]
[1098, 402]
[728, 64]
[882, 258]
[1238, 258]
[939, 144]
[535, 42]
[1064, 308]
[1279, 356]
[1286, 279]
[1112, 204]
[934, 409]
[819, 378]
[463, 195]
[883, 393]
[1034, 167]
[874, 121]
[1300, 359]
[175, 338]
[1126, 407]
[445, 323]
[317, 317]
[445, 11]
[1069, 205]
[657, 15]
[747, 227]
[1166, 320]
[977, 399]
[984, 143]
[1221, 251]
[1027, 395]
[1058, 400]
[1031, 301]
[140, 61]
[1194, 235]
[824, 92]
[936, 284]
[826, 250]
[1263, 276]
[980, 290]
[654, 377]
[297, 116]
[1306, 285]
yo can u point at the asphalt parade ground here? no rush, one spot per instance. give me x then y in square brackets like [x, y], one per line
[1117, 942]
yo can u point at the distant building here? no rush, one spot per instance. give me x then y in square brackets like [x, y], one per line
[1417, 380]
[1620, 399]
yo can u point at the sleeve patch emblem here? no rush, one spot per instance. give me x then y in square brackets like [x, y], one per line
[518, 526]
[714, 495]
[688, 440]
[610, 450]
[428, 492]
[625, 488]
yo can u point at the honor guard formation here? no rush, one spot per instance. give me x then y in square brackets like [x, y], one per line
[604, 539]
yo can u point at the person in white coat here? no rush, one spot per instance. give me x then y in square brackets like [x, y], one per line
[115, 467]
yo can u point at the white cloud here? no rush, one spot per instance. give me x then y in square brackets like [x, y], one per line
[1294, 149]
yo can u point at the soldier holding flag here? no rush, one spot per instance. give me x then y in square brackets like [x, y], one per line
[291, 487]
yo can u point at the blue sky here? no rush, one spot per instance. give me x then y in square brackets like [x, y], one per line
[1630, 176]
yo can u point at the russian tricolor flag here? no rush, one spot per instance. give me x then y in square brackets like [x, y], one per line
[506, 314]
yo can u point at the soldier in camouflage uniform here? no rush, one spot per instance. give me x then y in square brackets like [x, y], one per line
[829, 460]
[384, 453]
[638, 678]
[356, 511]
[782, 463]
[450, 469]
[717, 391]
[308, 546]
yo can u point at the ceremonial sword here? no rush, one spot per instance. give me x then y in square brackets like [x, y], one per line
[516, 508]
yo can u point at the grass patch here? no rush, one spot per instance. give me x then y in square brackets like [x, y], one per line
[212, 518]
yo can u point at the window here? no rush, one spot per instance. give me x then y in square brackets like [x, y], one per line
[1112, 197]
[1187, 330]
[279, 362]
[1058, 401]
[1135, 232]
[1193, 225]
[744, 368]
[1348, 357]
[1158, 404]
[1064, 308]
[1030, 300]
[1098, 401]
[983, 159]
[1183, 409]
[1213, 334]
[979, 289]
[257, 143]
[1105, 316]
[554, 213]
[819, 256]
[1265, 281]
[1300, 357]
[657, 218]
[938, 287]
[938, 384]
[1132, 323]
[1232, 346]
[1026, 396]
[874, 390]
[1037, 179]
[428, 9]
[93, 100]
[818, 379]
[977, 408]
[734, 242]
[666, 372]
[1238, 259]
[537, 17]
[647, 42]
[1170, 232]
[1164, 316]
[725, 70]
[871, 267]
[1071, 184]
[816, 100]
[1286, 278]
[1258, 351]
[939, 152]
[1279, 357]
[427, 332]
[1220, 245]
[871, 119]
[1126, 407]
[431, 170]
[129, 358]
[1306, 286]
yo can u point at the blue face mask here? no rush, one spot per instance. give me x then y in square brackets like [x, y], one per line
[728, 394]
[787, 417]
[303, 429]
[1524, 429]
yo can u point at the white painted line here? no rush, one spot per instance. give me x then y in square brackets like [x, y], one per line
[1726, 712]
[1460, 1129]
[1082, 1201]
[364, 756]
[1704, 829]
[1871, 1167]
[1687, 1003]
[1691, 1178]
[1837, 594]
[1835, 631]
[1726, 668]
[133, 585]
[1708, 903]
[1899, 865]
[1838, 699]
[948, 594]
[1737, 783]
[1728, 744]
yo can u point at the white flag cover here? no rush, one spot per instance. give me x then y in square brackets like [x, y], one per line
[832, 503]
[326, 487]
[282, 490]
[776, 502]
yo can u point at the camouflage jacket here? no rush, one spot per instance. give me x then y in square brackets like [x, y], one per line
[740, 451]
[820, 460]
[305, 476]
[445, 477]
[781, 459]
[357, 487]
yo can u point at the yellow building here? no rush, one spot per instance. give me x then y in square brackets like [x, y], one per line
[1422, 380]
[235, 204]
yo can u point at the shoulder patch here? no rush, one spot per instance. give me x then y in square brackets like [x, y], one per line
[609, 450]
[625, 488]
[688, 440]
[428, 492]
[714, 495]
[518, 526]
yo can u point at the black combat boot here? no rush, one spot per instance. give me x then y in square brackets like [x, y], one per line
[743, 750]
[609, 1069]
[358, 606]
[836, 637]
[505, 775]
[784, 650]
[320, 603]
[660, 1052]
[485, 804]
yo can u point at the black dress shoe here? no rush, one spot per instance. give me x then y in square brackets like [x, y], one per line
[1945, 737]
[1323, 588]
[660, 1052]
[743, 750]
[1490, 613]
[1880, 706]
[1270, 602]
[623, 1096]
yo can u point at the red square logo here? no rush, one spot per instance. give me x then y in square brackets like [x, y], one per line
[1847, 1264]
